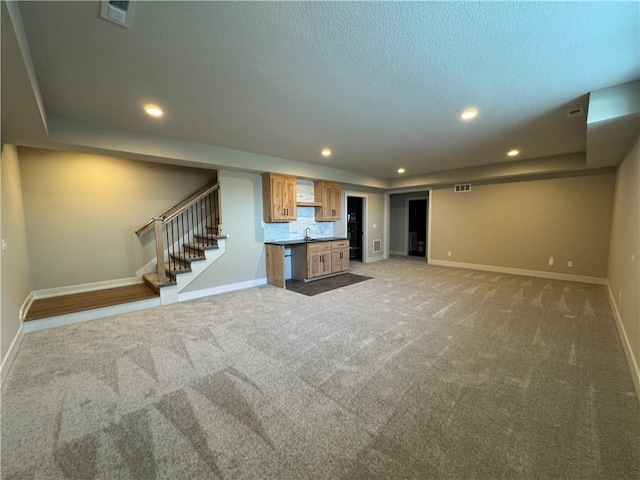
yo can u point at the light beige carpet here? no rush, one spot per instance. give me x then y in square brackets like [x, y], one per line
[421, 372]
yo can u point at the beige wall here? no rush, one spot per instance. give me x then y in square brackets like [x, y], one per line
[522, 224]
[624, 256]
[15, 280]
[244, 258]
[82, 210]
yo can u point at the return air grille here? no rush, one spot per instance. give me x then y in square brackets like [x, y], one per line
[464, 187]
[377, 246]
[117, 11]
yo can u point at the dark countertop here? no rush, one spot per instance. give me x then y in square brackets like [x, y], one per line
[302, 241]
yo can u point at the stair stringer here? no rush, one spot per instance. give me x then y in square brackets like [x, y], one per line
[170, 294]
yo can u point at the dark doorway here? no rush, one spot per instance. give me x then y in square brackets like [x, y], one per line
[417, 228]
[355, 219]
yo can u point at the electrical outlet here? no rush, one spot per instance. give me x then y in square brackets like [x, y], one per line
[550, 260]
[449, 253]
[570, 264]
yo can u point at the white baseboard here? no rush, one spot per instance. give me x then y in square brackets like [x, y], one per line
[11, 354]
[633, 363]
[377, 258]
[182, 297]
[85, 287]
[398, 252]
[520, 271]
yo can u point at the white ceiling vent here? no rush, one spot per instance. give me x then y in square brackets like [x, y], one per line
[575, 112]
[117, 11]
[464, 187]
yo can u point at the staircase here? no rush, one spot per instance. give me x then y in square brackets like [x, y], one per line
[188, 240]
[181, 262]
[188, 237]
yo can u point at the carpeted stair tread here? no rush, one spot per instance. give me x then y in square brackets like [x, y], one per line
[207, 237]
[152, 280]
[200, 246]
[176, 269]
[189, 256]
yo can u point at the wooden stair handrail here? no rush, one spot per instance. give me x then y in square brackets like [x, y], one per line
[178, 208]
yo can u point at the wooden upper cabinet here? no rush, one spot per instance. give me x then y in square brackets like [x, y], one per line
[328, 194]
[278, 197]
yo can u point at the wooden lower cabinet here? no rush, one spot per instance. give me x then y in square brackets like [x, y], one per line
[339, 256]
[318, 259]
[308, 262]
[275, 265]
[326, 258]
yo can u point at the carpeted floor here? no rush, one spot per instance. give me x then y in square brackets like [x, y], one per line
[421, 372]
[324, 284]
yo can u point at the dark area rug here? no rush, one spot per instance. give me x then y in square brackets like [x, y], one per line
[324, 285]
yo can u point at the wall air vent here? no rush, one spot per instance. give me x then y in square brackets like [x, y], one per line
[377, 246]
[465, 187]
[575, 112]
[117, 11]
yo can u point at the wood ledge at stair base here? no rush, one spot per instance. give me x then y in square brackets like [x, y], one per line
[81, 302]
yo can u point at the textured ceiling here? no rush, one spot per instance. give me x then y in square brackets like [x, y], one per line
[380, 83]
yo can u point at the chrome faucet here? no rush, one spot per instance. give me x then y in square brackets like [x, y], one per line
[307, 232]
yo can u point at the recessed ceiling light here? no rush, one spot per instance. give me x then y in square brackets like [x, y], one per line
[469, 114]
[326, 152]
[153, 110]
[513, 153]
[401, 170]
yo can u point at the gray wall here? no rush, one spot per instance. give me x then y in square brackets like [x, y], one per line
[624, 256]
[244, 257]
[398, 228]
[522, 224]
[82, 211]
[15, 279]
[397, 225]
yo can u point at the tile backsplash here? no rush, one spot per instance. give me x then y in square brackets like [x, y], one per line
[306, 218]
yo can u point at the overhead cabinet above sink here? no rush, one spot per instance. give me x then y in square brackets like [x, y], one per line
[279, 199]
